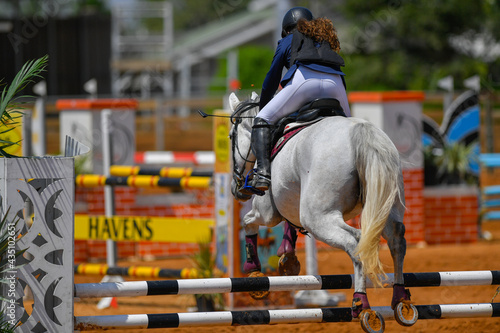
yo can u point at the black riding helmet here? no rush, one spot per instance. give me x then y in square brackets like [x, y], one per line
[292, 17]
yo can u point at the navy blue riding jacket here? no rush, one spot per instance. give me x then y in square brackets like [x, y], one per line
[281, 59]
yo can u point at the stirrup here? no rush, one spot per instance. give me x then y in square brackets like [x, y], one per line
[247, 188]
[261, 182]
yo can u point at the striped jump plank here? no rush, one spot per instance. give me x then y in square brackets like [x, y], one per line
[167, 172]
[134, 271]
[269, 317]
[143, 181]
[276, 283]
[174, 157]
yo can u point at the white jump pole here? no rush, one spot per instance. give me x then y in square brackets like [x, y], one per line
[272, 317]
[109, 200]
[109, 195]
[315, 297]
[278, 283]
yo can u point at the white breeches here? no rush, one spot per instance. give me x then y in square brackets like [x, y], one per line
[305, 86]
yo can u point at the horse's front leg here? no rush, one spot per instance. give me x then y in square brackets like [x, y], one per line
[252, 262]
[262, 213]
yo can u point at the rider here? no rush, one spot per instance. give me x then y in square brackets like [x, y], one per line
[309, 50]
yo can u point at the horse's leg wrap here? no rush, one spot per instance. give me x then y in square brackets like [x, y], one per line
[399, 294]
[359, 303]
[289, 240]
[405, 313]
[261, 147]
[252, 263]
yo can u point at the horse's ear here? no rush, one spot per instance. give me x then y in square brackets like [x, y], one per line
[254, 95]
[233, 101]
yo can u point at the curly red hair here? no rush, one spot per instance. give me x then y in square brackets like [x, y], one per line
[320, 29]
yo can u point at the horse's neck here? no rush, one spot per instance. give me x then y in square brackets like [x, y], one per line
[247, 123]
[246, 130]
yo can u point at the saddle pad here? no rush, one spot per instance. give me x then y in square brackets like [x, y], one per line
[284, 138]
[291, 126]
[288, 132]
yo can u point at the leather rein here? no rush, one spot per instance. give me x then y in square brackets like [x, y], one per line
[236, 119]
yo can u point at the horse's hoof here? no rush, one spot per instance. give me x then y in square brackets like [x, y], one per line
[372, 321]
[405, 313]
[289, 264]
[257, 295]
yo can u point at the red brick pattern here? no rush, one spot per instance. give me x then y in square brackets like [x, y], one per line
[451, 217]
[414, 215]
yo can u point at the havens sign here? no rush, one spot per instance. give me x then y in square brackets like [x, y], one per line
[142, 228]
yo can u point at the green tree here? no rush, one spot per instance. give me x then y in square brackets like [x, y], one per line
[254, 62]
[410, 44]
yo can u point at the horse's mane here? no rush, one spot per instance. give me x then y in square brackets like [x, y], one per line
[244, 107]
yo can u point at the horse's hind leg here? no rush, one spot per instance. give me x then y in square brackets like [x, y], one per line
[332, 230]
[405, 313]
[394, 234]
[338, 234]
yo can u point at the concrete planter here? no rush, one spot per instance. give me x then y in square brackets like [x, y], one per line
[40, 192]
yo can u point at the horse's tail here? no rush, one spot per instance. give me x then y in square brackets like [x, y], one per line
[378, 165]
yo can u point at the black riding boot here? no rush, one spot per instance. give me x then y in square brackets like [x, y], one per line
[261, 147]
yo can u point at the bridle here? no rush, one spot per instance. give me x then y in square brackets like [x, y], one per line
[236, 119]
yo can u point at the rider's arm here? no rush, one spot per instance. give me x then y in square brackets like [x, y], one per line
[281, 59]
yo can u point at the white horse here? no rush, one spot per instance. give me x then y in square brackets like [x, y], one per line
[323, 176]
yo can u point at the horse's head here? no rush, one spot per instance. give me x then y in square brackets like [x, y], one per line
[242, 117]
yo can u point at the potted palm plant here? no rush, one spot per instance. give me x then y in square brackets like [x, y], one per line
[11, 102]
[454, 163]
[206, 268]
[36, 184]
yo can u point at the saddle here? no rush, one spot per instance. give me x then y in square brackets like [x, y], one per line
[309, 113]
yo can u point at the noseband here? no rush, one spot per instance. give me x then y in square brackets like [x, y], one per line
[236, 119]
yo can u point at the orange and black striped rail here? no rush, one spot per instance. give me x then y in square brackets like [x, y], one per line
[136, 271]
[174, 172]
[87, 180]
